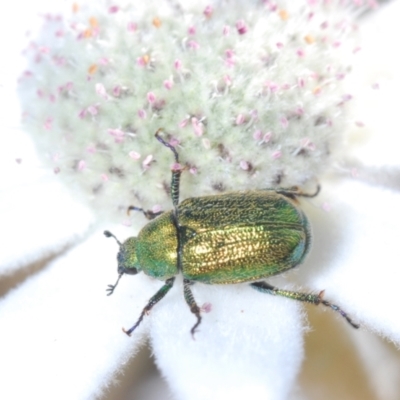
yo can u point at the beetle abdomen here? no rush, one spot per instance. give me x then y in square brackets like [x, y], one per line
[240, 237]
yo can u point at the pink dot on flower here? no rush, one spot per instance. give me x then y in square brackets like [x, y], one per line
[118, 134]
[279, 45]
[168, 84]
[240, 119]
[142, 114]
[183, 123]
[135, 155]
[69, 85]
[197, 126]
[177, 64]
[257, 135]
[82, 113]
[104, 177]
[176, 167]
[375, 86]
[228, 80]
[192, 30]
[116, 91]
[244, 165]
[81, 165]
[92, 110]
[192, 44]
[206, 307]
[151, 97]
[326, 206]
[113, 9]
[147, 161]
[56, 170]
[52, 98]
[193, 170]
[226, 30]
[284, 122]
[229, 53]
[101, 90]
[91, 149]
[360, 124]
[208, 11]
[267, 137]
[337, 44]
[300, 52]
[276, 154]
[131, 27]
[156, 208]
[241, 27]
[48, 124]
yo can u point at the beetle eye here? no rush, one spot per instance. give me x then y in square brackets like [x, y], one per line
[130, 271]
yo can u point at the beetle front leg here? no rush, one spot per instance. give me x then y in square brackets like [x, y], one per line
[194, 308]
[152, 302]
[300, 296]
[147, 213]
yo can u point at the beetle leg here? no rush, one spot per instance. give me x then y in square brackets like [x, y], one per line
[296, 192]
[300, 296]
[147, 213]
[152, 302]
[176, 172]
[194, 308]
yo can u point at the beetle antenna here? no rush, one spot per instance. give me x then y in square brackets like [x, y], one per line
[109, 234]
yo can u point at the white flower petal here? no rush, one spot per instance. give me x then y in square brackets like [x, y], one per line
[61, 335]
[249, 345]
[356, 253]
[38, 215]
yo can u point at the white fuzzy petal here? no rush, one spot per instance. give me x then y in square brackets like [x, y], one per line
[61, 335]
[249, 345]
[355, 253]
[38, 215]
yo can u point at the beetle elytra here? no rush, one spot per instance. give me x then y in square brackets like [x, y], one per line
[242, 236]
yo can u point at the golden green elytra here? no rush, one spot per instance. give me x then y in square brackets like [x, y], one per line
[243, 236]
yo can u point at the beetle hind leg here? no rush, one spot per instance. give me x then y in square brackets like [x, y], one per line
[152, 302]
[300, 296]
[194, 308]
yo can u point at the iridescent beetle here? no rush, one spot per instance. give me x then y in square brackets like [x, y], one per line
[236, 237]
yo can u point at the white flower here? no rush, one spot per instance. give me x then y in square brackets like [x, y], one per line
[60, 335]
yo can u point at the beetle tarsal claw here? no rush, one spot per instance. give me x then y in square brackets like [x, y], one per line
[126, 331]
[110, 290]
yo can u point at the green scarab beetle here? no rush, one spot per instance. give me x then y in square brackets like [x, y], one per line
[243, 236]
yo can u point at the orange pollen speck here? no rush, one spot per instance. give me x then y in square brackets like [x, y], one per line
[283, 14]
[156, 22]
[93, 22]
[92, 69]
[146, 58]
[75, 7]
[309, 39]
[317, 90]
[87, 33]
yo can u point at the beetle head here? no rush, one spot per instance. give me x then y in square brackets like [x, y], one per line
[127, 258]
